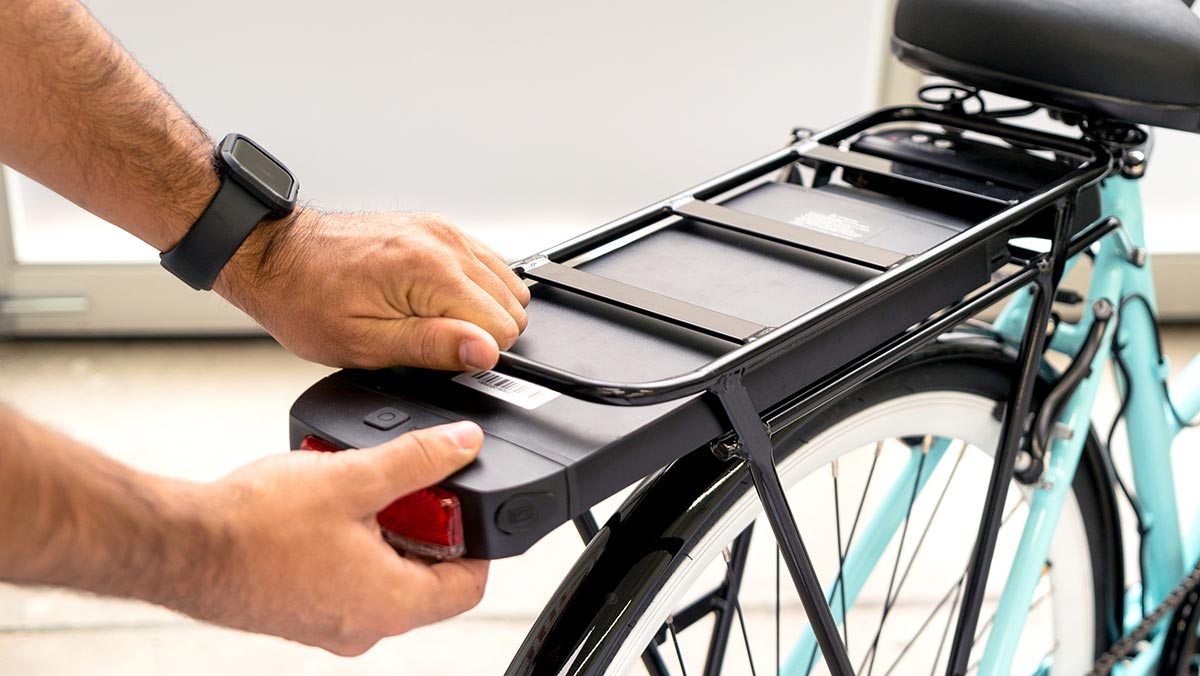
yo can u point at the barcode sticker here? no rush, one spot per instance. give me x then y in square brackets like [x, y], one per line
[513, 390]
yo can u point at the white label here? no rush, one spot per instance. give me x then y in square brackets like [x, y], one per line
[840, 226]
[510, 389]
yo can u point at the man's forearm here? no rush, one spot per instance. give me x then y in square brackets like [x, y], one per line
[288, 545]
[80, 116]
[69, 516]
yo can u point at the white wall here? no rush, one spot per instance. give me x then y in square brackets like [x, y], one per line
[523, 121]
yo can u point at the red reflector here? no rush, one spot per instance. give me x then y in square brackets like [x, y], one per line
[314, 443]
[427, 522]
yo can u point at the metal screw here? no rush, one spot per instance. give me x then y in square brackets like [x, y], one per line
[801, 134]
[726, 448]
[1023, 462]
[1062, 431]
[1133, 165]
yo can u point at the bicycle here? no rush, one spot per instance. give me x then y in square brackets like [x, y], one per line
[899, 227]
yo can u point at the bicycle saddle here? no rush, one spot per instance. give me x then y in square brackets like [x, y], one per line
[1131, 60]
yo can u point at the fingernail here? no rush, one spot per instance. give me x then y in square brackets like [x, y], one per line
[464, 433]
[474, 354]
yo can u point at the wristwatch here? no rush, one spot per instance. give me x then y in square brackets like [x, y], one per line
[254, 186]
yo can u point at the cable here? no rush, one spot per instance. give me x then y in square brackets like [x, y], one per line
[1123, 369]
[1132, 499]
[1011, 112]
[1159, 346]
[955, 98]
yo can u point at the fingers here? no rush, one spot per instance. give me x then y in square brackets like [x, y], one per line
[412, 461]
[480, 288]
[497, 265]
[430, 342]
[456, 587]
[489, 281]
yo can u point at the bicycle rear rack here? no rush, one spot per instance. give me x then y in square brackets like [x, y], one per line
[760, 344]
[722, 378]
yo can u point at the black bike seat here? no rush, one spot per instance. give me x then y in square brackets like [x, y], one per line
[1131, 60]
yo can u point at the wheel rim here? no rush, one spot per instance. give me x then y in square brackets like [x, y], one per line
[963, 417]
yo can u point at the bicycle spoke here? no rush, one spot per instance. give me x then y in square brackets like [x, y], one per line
[725, 602]
[956, 589]
[675, 640]
[987, 625]
[862, 500]
[737, 608]
[937, 505]
[841, 584]
[891, 598]
[888, 599]
[952, 591]
[902, 569]
[992, 619]
[949, 622]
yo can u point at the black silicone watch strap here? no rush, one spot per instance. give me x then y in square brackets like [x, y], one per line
[227, 221]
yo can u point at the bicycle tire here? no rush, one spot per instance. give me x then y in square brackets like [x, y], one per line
[603, 598]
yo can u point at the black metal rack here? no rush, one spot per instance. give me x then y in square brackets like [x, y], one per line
[750, 438]
[759, 344]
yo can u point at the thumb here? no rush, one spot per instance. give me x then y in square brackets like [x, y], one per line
[437, 343]
[413, 461]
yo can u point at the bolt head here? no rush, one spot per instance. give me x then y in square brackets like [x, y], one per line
[1133, 165]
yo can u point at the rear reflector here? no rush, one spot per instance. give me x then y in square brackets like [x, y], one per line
[311, 443]
[427, 522]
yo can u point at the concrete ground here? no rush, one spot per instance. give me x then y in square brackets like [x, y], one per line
[199, 409]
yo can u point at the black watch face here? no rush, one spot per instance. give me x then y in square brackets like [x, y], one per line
[250, 164]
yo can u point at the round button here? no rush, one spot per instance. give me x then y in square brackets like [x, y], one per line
[526, 511]
[943, 143]
[919, 138]
[386, 418]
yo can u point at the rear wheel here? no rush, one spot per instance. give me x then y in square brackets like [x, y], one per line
[886, 487]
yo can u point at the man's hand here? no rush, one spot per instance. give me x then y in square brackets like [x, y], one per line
[307, 559]
[375, 290]
[287, 545]
[79, 115]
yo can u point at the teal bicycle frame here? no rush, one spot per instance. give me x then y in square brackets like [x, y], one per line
[1151, 426]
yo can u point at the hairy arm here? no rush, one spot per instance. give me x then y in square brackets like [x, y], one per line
[79, 115]
[287, 545]
[72, 517]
